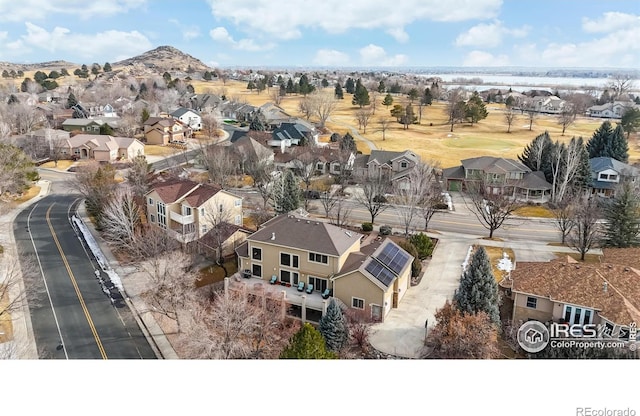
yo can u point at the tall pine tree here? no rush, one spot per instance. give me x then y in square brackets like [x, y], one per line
[622, 218]
[609, 142]
[536, 154]
[286, 193]
[361, 95]
[333, 327]
[478, 290]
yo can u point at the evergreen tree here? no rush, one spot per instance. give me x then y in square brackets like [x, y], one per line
[582, 177]
[413, 94]
[290, 87]
[107, 67]
[39, 77]
[387, 101]
[257, 122]
[475, 108]
[54, 74]
[25, 84]
[348, 143]
[338, 91]
[13, 100]
[618, 148]
[598, 141]
[510, 101]
[427, 98]
[307, 343]
[286, 193]
[361, 95]
[350, 86]
[333, 327]
[416, 264]
[145, 115]
[207, 76]
[324, 83]
[381, 87]
[609, 142]
[5, 74]
[630, 121]
[64, 72]
[622, 217]
[304, 87]
[251, 86]
[478, 290]
[106, 129]
[536, 154]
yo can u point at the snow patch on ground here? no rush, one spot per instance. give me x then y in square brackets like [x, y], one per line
[447, 198]
[97, 253]
[465, 263]
[505, 264]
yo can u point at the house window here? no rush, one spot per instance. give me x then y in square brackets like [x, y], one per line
[531, 302]
[256, 253]
[161, 209]
[153, 218]
[256, 270]
[186, 210]
[220, 208]
[290, 260]
[357, 303]
[319, 284]
[237, 202]
[238, 219]
[202, 211]
[150, 201]
[613, 177]
[404, 165]
[567, 313]
[288, 276]
[318, 258]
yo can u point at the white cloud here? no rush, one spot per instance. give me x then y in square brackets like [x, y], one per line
[189, 32]
[481, 58]
[17, 11]
[330, 57]
[609, 22]
[220, 34]
[489, 35]
[284, 19]
[399, 34]
[375, 55]
[88, 46]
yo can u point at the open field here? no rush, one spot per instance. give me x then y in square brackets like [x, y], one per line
[62, 164]
[495, 254]
[431, 142]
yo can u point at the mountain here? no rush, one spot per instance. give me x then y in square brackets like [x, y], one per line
[51, 65]
[165, 58]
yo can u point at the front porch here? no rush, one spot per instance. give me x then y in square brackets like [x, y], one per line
[300, 305]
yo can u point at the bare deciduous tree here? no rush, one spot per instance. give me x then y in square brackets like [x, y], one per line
[120, 222]
[620, 85]
[491, 209]
[455, 107]
[362, 117]
[341, 212]
[322, 104]
[566, 117]
[586, 232]
[210, 124]
[218, 162]
[384, 123]
[139, 175]
[18, 282]
[305, 108]
[171, 286]
[411, 195]
[564, 216]
[509, 117]
[372, 193]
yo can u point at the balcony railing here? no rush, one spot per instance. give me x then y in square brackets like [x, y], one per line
[186, 237]
[181, 219]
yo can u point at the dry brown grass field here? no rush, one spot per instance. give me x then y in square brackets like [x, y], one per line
[432, 139]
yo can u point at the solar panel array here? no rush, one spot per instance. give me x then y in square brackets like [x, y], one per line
[393, 258]
[388, 264]
[380, 272]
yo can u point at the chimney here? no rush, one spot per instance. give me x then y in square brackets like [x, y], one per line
[273, 236]
[605, 286]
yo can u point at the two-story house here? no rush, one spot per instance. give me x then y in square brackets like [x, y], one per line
[292, 133]
[189, 117]
[500, 176]
[165, 130]
[325, 258]
[90, 125]
[395, 166]
[615, 109]
[607, 173]
[188, 210]
[103, 148]
[576, 293]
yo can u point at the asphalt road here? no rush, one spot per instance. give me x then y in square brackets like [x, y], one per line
[74, 318]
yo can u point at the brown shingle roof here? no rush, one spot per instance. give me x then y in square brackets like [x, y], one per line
[583, 284]
[202, 194]
[173, 190]
[306, 234]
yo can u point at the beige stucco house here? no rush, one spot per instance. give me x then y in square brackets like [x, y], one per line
[103, 148]
[189, 210]
[289, 250]
[165, 130]
[576, 293]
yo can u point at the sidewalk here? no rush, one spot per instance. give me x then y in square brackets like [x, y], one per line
[23, 343]
[147, 323]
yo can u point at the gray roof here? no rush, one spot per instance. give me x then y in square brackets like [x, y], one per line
[181, 111]
[456, 172]
[491, 164]
[534, 180]
[304, 234]
[385, 156]
[598, 164]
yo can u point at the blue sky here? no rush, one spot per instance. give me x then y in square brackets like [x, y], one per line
[333, 33]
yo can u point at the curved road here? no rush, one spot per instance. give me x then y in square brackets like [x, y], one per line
[73, 318]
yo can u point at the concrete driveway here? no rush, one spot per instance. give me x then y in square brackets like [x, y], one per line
[402, 333]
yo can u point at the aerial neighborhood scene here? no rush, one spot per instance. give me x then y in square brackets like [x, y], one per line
[212, 188]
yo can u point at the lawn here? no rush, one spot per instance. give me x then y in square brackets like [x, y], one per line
[215, 273]
[538, 211]
[32, 192]
[157, 150]
[588, 258]
[432, 139]
[495, 254]
[62, 165]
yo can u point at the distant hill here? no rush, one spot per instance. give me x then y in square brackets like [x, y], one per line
[165, 58]
[41, 66]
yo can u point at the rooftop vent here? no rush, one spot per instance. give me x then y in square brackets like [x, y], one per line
[348, 233]
[605, 286]
[273, 236]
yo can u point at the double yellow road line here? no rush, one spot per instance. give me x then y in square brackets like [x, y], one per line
[75, 286]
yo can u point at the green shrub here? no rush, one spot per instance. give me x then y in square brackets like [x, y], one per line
[385, 230]
[416, 265]
[367, 226]
[423, 244]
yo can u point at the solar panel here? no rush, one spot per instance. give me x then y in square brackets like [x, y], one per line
[393, 258]
[380, 272]
[388, 253]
